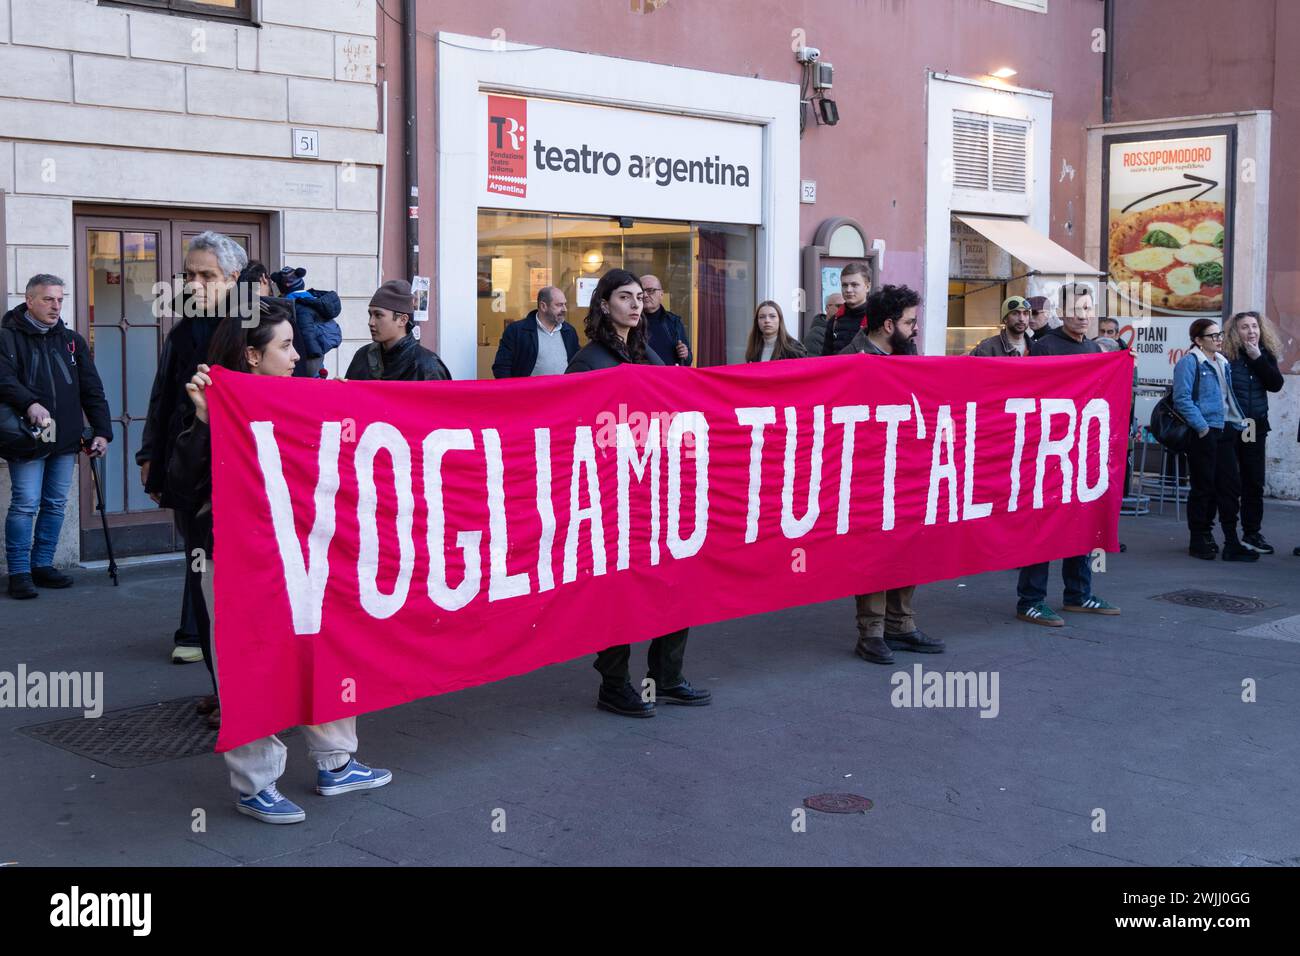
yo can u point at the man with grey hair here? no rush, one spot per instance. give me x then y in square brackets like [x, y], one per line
[48, 378]
[213, 263]
[542, 343]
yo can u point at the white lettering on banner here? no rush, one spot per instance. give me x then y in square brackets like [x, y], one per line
[1097, 410]
[970, 510]
[891, 415]
[793, 527]
[1020, 407]
[377, 436]
[1060, 448]
[942, 471]
[436, 446]
[755, 419]
[638, 470]
[584, 461]
[629, 462]
[692, 423]
[500, 584]
[849, 416]
[304, 580]
[545, 510]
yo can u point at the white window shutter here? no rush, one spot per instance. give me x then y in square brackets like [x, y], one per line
[1010, 157]
[989, 154]
[970, 151]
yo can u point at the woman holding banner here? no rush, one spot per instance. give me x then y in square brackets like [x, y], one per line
[617, 336]
[265, 349]
[768, 339]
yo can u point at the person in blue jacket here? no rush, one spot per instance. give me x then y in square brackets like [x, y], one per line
[315, 312]
[1203, 395]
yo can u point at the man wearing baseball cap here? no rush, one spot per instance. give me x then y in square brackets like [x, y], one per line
[395, 355]
[1012, 339]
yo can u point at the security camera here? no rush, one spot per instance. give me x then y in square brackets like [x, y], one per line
[807, 54]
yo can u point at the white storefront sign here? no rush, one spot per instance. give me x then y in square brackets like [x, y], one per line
[556, 156]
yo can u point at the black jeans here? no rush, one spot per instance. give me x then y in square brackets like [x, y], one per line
[663, 661]
[1250, 462]
[1216, 482]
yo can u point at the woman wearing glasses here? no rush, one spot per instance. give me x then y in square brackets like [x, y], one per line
[1204, 397]
[1251, 347]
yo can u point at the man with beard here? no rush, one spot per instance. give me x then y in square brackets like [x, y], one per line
[842, 326]
[1011, 340]
[885, 621]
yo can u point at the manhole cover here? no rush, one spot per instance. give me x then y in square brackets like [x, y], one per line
[838, 803]
[1232, 603]
[135, 737]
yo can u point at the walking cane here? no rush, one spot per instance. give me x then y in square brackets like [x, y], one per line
[99, 503]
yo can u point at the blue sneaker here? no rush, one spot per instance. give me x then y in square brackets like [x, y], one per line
[355, 776]
[270, 806]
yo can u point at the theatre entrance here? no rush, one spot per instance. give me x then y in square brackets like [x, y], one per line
[707, 272]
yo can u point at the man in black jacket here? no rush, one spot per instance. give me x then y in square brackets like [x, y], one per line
[213, 263]
[885, 620]
[395, 354]
[842, 326]
[666, 330]
[48, 378]
[1070, 338]
[542, 344]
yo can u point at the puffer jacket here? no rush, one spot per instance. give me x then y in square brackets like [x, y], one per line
[314, 313]
[56, 370]
[1252, 380]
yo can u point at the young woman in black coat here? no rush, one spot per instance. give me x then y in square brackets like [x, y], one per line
[1251, 347]
[617, 336]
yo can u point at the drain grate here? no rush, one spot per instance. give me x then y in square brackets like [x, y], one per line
[1212, 601]
[132, 738]
[838, 803]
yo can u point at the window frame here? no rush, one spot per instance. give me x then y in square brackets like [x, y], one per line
[245, 11]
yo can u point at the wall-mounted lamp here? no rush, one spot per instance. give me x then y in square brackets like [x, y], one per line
[1005, 73]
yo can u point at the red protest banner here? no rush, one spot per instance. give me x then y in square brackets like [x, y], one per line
[377, 542]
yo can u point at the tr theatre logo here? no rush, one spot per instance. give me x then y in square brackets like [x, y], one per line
[507, 155]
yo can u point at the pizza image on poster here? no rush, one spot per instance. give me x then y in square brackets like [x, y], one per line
[1177, 247]
[1167, 224]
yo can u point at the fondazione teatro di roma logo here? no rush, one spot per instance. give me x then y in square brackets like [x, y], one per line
[507, 146]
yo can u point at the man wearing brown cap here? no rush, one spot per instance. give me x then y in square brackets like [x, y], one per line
[395, 355]
[1011, 340]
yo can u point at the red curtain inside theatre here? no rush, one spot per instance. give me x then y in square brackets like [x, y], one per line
[711, 313]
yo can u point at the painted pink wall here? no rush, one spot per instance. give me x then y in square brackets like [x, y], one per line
[1245, 59]
[872, 165]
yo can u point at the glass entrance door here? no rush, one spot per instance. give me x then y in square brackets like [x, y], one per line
[120, 259]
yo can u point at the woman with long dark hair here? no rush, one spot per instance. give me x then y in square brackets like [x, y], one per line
[1203, 395]
[263, 349]
[617, 337]
[1251, 347]
[768, 339]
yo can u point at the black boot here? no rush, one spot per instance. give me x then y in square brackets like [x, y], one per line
[1202, 546]
[623, 700]
[874, 649]
[50, 578]
[21, 587]
[1234, 550]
